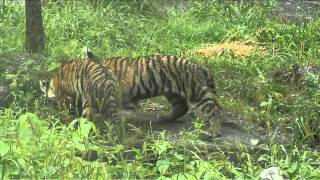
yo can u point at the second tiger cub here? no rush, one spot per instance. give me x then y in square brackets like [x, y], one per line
[84, 87]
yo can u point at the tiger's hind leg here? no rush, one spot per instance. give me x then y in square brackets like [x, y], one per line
[179, 107]
[207, 104]
[131, 105]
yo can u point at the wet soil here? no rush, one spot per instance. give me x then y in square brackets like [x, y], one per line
[235, 131]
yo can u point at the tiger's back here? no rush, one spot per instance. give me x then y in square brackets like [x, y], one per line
[156, 75]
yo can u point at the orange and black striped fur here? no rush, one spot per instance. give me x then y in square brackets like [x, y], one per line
[84, 86]
[179, 80]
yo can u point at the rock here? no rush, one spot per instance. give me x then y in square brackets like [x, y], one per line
[272, 173]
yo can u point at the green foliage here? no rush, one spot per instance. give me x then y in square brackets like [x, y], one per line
[22, 73]
[34, 144]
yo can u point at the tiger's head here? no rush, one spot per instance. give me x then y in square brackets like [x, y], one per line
[48, 88]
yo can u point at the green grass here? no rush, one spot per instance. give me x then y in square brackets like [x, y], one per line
[33, 142]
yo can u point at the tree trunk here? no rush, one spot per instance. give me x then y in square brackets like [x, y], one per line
[34, 27]
[4, 93]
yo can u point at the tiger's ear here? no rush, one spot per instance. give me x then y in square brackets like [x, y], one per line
[88, 54]
[44, 86]
[48, 88]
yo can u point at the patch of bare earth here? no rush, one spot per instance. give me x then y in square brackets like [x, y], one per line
[240, 49]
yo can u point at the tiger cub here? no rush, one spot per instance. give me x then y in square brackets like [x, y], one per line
[84, 86]
[178, 79]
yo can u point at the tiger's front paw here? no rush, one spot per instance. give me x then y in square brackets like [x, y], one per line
[88, 113]
[215, 129]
